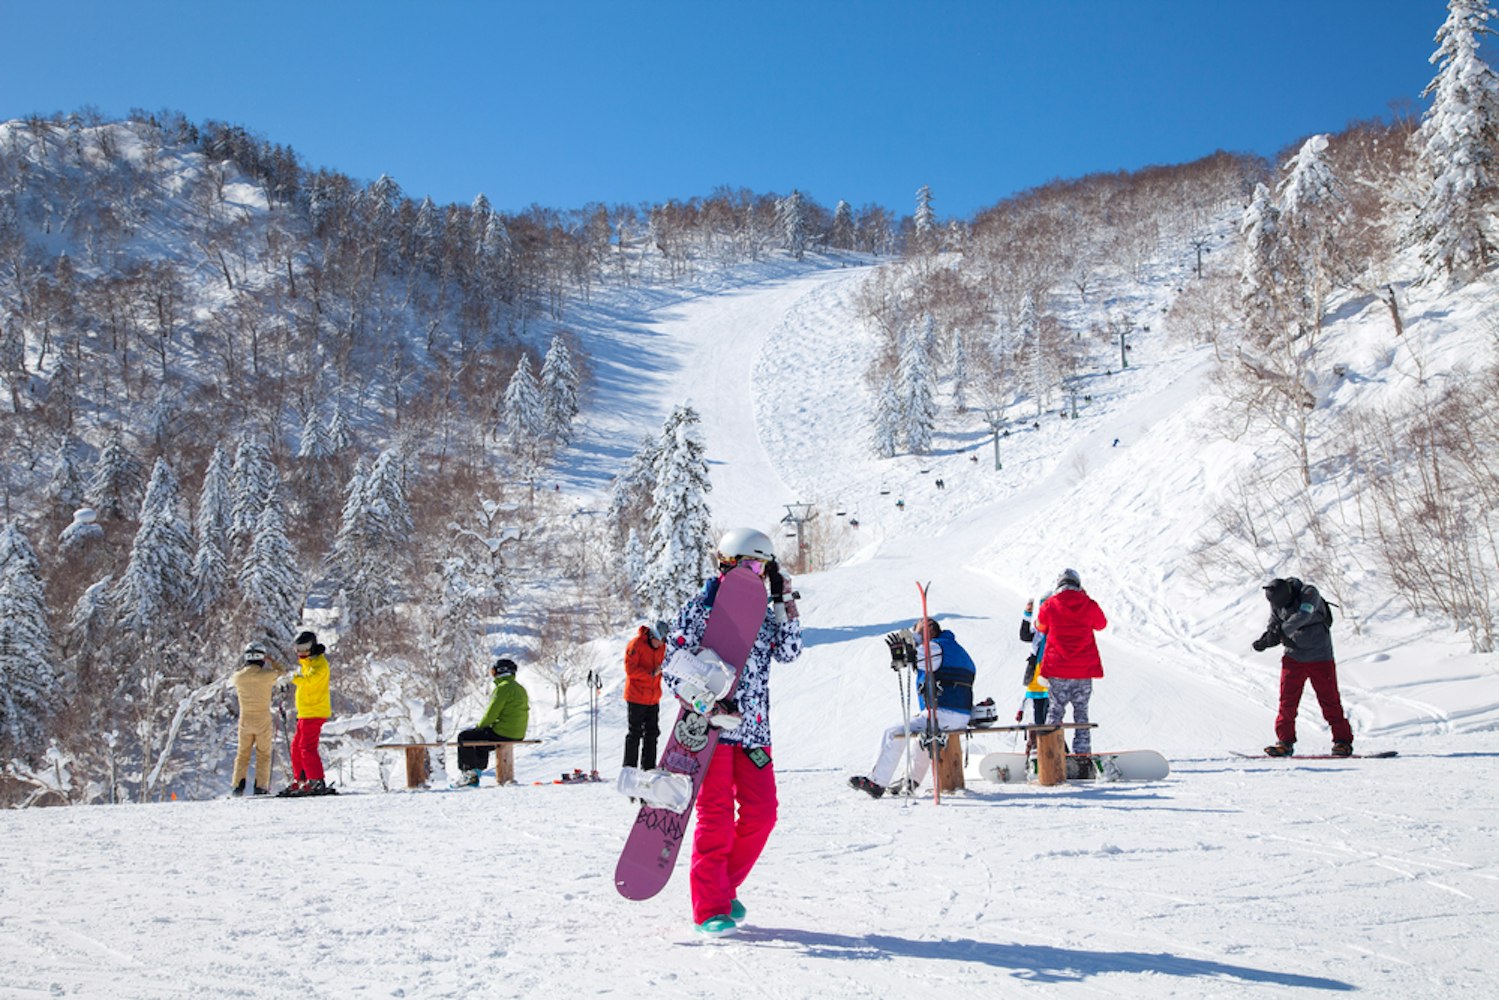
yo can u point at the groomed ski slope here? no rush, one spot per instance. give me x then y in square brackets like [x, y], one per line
[1232, 878]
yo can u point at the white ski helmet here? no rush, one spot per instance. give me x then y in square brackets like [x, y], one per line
[745, 543]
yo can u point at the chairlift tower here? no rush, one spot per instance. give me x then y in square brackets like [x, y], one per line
[798, 514]
[995, 418]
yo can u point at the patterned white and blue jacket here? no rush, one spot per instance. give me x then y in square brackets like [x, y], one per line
[775, 641]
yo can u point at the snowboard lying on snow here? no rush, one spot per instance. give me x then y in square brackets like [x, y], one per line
[1319, 756]
[1114, 765]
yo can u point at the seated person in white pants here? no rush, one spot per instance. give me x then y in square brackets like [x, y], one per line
[952, 671]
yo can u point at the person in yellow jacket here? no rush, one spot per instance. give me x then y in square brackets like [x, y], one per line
[1037, 694]
[313, 708]
[253, 685]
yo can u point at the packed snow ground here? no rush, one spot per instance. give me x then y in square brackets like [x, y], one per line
[1234, 877]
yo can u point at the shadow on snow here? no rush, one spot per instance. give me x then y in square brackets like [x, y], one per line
[1034, 963]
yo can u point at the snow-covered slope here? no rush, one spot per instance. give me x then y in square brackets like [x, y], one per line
[1234, 877]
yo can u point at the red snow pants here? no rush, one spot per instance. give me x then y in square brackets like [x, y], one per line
[1324, 677]
[306, 765]
[725, 846]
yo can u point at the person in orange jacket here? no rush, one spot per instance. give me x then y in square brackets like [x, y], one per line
[643, 658]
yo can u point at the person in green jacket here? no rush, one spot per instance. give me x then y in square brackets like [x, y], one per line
[504, 721]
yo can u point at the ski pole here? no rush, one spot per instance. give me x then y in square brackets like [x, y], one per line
[903, 682]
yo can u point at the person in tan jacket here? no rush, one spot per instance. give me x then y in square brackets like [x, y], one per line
[253, 685]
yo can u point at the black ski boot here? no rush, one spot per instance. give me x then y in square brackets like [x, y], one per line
[239, 789]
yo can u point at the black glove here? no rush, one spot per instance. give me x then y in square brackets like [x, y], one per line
[901, 650]
[1270, 638]
[777, 582]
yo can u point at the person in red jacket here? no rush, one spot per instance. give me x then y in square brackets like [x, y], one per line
[1068, 618]
[643, 657]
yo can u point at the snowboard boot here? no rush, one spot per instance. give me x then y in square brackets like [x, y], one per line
[737, 911]
[292, 790]
[1080, 768]
[466, 779]
[239, 789]
[1280, 748]
[719, 926]
[902, 787]
[863, 784]
[1342, 748]
[317, 787]
[261, 791]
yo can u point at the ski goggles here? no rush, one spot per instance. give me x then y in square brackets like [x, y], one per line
[756, 566]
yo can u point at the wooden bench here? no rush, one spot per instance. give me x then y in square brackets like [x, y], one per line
[1051, 751]
[418, 769]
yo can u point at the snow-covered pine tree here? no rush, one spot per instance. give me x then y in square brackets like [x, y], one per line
[634, 565]
[314, 446]
[887, 419]
[630, 495]
[270, 581]
[791, 219]
[65, 492]
[1262, 269]
[559, 391]
[1314, 213]
[525, 420]
[27, 680]
[924, 222]
[154, 591]
[428, 233]
[114, 488]
[959, 372]
[681, 539]
[160, 419]
[373, 541]
[452, 634]
[1454, 226]
[211, 528]
[917, 394]
[843, 233]
[86, 634]
[340, 438]
[250, 481]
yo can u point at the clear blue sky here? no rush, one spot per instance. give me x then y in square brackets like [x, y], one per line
[564, 102]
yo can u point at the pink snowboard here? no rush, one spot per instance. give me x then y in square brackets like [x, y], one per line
[656, 838]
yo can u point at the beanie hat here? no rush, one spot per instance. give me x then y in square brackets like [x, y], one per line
[1278, 592]
[1069, 580]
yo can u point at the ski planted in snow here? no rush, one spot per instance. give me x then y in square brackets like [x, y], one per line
[933, 739]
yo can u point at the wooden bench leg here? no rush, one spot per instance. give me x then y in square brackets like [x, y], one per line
[950, 764]
[417, 770]
[1051, 757]
[504, 764]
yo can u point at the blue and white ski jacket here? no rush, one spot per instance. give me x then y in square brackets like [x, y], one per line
[953, 672]
[778, 641]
